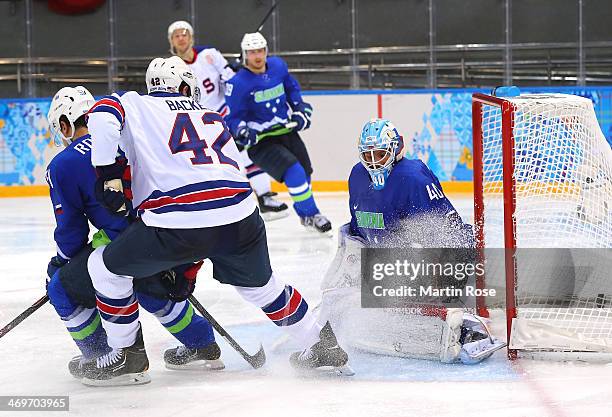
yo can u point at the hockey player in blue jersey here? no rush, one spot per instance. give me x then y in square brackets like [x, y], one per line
[213, 71]
[266, 112]
[396, 203]
[391, 195]
[71, 180]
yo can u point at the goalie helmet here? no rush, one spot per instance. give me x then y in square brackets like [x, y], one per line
[179, 24]
[167, 74]
[380, 147]
[252, 41]
[71, 102]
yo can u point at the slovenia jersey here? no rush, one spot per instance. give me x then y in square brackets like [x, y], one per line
[186, 169]
[411, 190]
[212, 71]
[71, 179]
[260, 101]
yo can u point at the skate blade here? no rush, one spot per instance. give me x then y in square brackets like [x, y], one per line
[202, 365]
[270, 216]
[139, 378]
[328, 233]
[344, 370]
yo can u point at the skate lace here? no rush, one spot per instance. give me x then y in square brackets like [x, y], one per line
[306, 355]
[182, 350]
[319, 219]
[269, 201]
[110, 358]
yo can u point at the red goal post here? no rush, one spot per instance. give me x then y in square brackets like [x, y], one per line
[507, 116]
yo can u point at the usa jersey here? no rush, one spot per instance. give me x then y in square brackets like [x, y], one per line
[212, 72]
[411, 190]
[71, 179]
[261, 101]
[186, 169]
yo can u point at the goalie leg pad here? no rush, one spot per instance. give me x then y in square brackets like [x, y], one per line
[451, 334]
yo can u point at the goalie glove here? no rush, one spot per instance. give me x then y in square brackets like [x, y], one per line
[180, 281]
[113, 187]
[301, 116]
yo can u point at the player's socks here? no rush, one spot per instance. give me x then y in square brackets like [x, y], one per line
[180, 319]
[83, 324]
[299, 188]
[290, 311]
[259, 180]
[116, 302]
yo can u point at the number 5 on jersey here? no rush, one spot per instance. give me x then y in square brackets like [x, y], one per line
[183, 126]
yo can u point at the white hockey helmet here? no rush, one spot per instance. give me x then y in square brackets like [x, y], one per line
[71, 102]
[252, 41]
[179, 24]
[167, 74]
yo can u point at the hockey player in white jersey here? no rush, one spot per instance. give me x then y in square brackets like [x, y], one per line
[189, 187]
[212, 71]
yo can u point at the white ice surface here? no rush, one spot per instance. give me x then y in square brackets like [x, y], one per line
[34, 356]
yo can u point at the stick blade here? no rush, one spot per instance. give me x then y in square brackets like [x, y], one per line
[259, 359]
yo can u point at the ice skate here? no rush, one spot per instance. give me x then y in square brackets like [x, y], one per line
[183, 358]
[271, 208]
[318, 222]
[124, 366]
[75, 366]
[324, 356]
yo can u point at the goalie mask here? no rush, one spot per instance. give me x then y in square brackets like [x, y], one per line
[71, 102]
[380, 147]
[168, 75]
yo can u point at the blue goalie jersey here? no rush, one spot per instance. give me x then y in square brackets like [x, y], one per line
[71, 178]
[411, 209]
[261, 101]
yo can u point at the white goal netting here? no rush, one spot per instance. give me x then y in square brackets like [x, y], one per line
[563, 197]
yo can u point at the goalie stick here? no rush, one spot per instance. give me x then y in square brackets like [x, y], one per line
[256, 361]
[39, 303]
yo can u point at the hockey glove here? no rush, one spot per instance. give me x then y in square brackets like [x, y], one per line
[180, 281]
[246, 137]
[54, 264]
[302, 113]
[113, 187]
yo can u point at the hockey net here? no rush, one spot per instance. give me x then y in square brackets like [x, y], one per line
[543, 179]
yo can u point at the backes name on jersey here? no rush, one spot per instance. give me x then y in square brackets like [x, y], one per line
[184, 105]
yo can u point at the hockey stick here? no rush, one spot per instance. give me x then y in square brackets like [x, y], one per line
[256, 361]
[277, 129]
[38, 304]
[263, 22]
[237, 64]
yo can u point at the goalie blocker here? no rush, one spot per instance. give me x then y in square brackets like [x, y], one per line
[429, 332]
